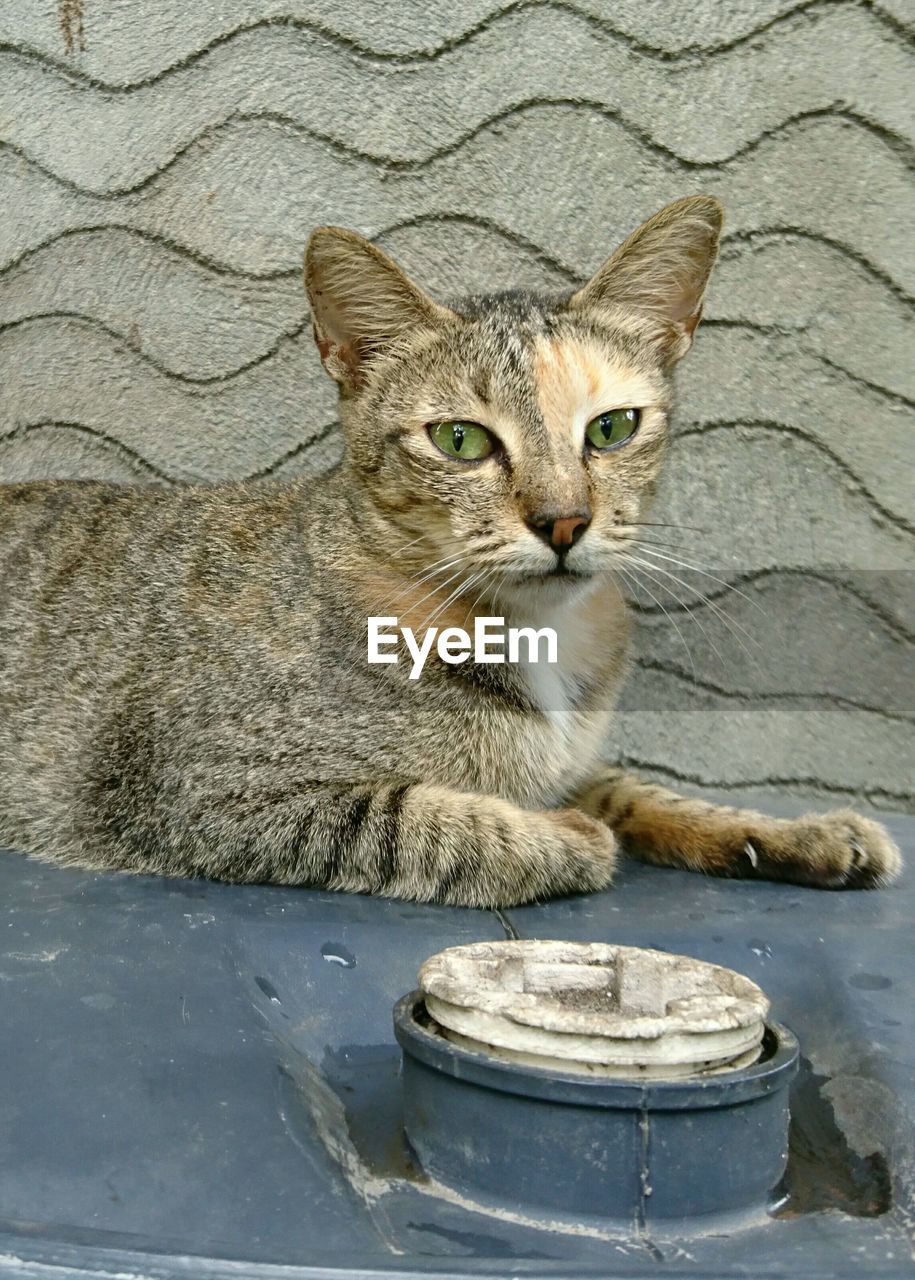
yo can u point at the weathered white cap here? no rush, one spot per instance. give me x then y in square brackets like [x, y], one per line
[595, 1008]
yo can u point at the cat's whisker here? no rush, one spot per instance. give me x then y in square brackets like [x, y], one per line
[673, 623]
[411, 584]
[691, 611]
[662, 524]
[414, 582]
[730, 622]
[490, 577]
[407, 545]
[453, 595]
[638, 541]
[481, 580]
[621, 599]
[423, 626]
[482, 576]
[685, 564]
[439, 567]
[647, 568]
[420, 630]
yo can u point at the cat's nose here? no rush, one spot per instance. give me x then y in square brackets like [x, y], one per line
[560, 532]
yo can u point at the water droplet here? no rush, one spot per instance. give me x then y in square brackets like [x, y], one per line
[336, 953]
[268, 989]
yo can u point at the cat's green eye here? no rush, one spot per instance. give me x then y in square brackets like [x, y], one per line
[465, 440]
[612, 427]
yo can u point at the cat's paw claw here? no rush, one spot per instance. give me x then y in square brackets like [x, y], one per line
[840, 850]
[875, 859]
[856, 876]
[853, 852]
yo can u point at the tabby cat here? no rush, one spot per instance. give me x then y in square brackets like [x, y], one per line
[184, 685]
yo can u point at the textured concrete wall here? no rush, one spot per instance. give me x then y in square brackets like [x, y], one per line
[162, 163]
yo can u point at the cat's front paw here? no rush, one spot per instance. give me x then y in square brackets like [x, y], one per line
[585, 851]
[551, 853]
[840, 850]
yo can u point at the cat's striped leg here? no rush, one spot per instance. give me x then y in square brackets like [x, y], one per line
[840, 850]
[401, 840]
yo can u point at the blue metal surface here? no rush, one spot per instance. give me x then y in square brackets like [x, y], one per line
[202, 1079]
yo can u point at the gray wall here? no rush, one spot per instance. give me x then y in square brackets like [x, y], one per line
[162, 164]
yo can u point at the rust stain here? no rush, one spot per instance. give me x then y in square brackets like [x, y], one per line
[70, 20]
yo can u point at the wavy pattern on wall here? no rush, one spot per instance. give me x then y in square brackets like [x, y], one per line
[174, 36]
[243, 194]
[745, 643]
[778, 283]
[158, 185]
[404, 116]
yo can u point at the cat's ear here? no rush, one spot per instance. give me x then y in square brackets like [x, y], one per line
[661, 272]
[361, 302]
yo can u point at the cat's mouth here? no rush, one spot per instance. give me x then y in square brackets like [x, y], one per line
[558, 571]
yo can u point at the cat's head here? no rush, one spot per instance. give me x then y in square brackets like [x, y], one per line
[511, 432]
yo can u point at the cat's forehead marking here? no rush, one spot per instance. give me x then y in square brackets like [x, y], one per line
[497, 355]
[576, 377]
[512, 310]
[550, 371]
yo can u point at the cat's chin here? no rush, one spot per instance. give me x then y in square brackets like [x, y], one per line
[554, 578]
[547, 587]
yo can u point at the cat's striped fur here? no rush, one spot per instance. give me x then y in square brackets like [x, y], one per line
[183, 678]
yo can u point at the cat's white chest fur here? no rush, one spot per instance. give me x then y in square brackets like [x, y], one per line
[568, 739]
[552, 686]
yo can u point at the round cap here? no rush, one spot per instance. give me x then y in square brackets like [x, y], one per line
[596, 1008]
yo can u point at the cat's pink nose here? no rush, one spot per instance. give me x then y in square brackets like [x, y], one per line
[561, 532]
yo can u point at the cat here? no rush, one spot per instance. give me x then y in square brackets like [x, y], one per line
[184, 687]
